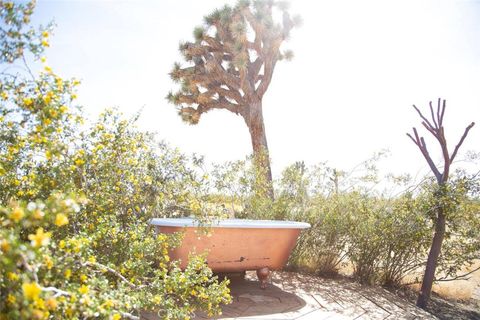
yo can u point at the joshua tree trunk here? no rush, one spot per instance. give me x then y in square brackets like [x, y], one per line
[433, 255]
[256, 127]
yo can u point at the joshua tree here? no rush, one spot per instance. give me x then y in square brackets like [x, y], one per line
[230, 66]
[435, 127]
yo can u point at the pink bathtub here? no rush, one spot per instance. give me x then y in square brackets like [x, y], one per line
[236, 245]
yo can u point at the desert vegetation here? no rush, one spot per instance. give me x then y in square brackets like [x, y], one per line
[76, 194]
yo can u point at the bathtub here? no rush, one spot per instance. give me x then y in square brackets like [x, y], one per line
[235, 245]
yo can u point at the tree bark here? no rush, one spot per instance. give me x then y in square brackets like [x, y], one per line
[433, 255]
[256, 127]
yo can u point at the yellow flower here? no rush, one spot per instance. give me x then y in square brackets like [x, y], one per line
[31, 291]
[116, 316]
[12, 276]
[51, 304]
[11, 299]
[45, 43]
[69, 312]
[45, 34]
[61, 219]
[83, 278]
[47, 69]
[83, 289]
[73, 96]
[157, 299]
[108, 303]
[79, 162]
[61, 244]
[92, 259]
[4, 95]
[48, 262]
[4, 245]
[63, 109]
[43, 59]
[68, 273]
[47, 99]
[17, 214]
[39, 303]
[40, 238]
[27, 102]
[38, 214]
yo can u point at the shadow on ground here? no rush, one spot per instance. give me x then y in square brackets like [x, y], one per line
[305, 297]
[249, 300]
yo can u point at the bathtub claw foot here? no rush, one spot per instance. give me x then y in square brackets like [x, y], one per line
[262, 275]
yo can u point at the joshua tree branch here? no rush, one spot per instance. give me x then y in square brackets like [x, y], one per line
[225, 76]
[257, 27]
[234, 95]
[267, 75]
[254, 69]
[215, 44]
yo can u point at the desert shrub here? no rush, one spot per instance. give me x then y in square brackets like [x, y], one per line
[243, 189]
[389, 239]
[461, 202]
[406, 239]
[366, 236]
[50, 273]
[322, 248]
[384, 238]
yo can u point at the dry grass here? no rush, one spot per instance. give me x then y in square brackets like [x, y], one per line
[461, 289]
[452, 290]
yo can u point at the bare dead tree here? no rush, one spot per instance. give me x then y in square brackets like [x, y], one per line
[435, 127]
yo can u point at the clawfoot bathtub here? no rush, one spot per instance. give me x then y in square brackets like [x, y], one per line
[235, 245]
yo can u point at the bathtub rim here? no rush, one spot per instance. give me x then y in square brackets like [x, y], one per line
[230, 223]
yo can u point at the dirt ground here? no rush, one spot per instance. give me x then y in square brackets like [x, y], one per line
[459, 299]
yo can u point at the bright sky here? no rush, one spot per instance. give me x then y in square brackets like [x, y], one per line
[358, 68]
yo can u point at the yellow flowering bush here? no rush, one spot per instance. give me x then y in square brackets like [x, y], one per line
[75, 202]
[45, 275]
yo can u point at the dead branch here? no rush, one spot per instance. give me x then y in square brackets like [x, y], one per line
[467, 129]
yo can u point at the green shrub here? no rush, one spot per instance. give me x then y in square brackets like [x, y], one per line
[322, 248]
[383, 238]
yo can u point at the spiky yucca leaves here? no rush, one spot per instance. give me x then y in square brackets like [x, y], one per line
[231, 61]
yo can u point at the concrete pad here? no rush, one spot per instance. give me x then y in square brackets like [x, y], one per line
[291, 295]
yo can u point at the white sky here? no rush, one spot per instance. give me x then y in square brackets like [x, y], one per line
[358, 68]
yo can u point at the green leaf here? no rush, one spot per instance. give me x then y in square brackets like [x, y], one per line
[199, 33]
